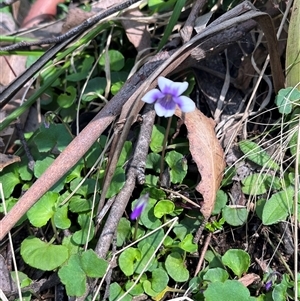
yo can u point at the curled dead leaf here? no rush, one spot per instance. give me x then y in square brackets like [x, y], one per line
[136, 31]
[6, 160]
[207, 154]
[249, 279]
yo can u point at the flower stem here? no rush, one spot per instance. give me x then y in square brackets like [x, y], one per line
[136, 228]
[164, 149]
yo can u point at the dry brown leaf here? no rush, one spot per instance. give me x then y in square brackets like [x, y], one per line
[136, 31]
[11, 66]
[207, 154]
[249, 279]
[40, 11]
[6, 160]
[75, 17]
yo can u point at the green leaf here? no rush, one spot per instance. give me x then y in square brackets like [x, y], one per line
[226, 291]
[127, 260]
[278, 207]
[187, 244]
[116, 60]
[137, 289]
[176, 268]
[79, 204]
[146, 251]
[151, 180]
[216, 274]
[123, 231]
[92, 265]
[83, 236]
[94, 88]
[179, 4]
[153, 162]
[116, 293]
[148, 288]
[65, 100]
[33, 251]
[40, 213]
[221, 201]
[279, 293]
[9, 179]
[157, 138]
[237, 260]
[156, 193]
[235, 216]
[286, 98]
[178, 166]
[254, 184]
[24, 172]
[147, 217]
[56, 135]
[61, 219]
[257, 155]
[82, 71]
[23, 278]
[116, 183]
[159, 280]
[189, 224]
[125, 153]
[163, 207]
[154, 239]
[41, 165]
[160, 5]
[86, 188]
[214, 259]
[73, 276]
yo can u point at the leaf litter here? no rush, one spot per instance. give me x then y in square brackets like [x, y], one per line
[208, 154]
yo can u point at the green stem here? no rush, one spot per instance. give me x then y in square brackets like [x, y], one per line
[164, 149]
[136, 228]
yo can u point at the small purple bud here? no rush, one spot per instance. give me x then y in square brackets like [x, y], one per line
[46, 124]
[268, 285]
[139, 206]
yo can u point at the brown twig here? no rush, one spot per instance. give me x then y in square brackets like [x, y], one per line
[212, 37]
[79, 146]
[201, 259]
[118, 208]
[187, 30]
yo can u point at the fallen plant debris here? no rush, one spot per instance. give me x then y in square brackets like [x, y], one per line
[194, 206]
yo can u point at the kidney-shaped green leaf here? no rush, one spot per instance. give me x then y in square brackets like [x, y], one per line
[237, 260]
[41, 255]
[73, 277]
[229, 290]
[43, 210]
[176, 268]
[127, 260]
[92, 265]
[163, 207]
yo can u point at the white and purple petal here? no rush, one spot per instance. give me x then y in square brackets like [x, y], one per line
[139, 206]
[152, 96]
[165, 107]
[184, 103]
[171, 88]
[137, 212]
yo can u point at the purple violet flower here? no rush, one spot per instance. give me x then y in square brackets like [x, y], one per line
[139, 206]
[169, 95]
[268, 285]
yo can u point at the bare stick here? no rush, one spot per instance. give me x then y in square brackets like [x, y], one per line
[118, 208]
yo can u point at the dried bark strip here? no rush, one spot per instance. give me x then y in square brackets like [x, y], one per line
[212, 36]
[79, 146]
[118, 208]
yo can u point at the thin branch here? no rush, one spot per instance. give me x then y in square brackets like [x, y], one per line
[118, 208]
